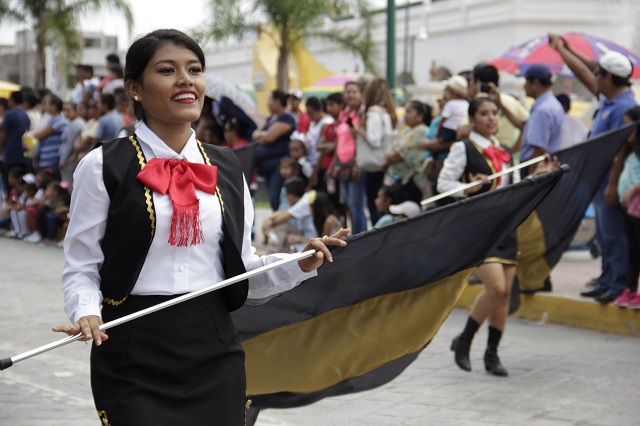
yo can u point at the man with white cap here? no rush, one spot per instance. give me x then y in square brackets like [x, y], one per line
[607, 78]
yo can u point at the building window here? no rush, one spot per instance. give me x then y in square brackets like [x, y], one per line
[92, 43]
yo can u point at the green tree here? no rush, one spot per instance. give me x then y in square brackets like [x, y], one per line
[291, 23]
[56, 23]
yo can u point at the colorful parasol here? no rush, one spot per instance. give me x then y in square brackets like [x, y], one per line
[218, 88]
[328, 85]
[538, 51]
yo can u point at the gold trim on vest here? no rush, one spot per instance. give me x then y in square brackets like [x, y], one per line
[147, 191]
[103, 418]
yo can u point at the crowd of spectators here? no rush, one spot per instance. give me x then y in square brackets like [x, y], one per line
[343, 160]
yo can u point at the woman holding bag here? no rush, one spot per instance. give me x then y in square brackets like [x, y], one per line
[373, 138]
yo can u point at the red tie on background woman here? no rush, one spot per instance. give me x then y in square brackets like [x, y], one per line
[498, 156]
[181, 178]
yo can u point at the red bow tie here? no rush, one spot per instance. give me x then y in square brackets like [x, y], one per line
[497, 157]
[181, 178]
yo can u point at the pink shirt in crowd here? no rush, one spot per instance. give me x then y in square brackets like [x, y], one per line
[346, 148]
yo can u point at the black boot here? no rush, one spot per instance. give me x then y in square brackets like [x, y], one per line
[462, 344]
[491, 361]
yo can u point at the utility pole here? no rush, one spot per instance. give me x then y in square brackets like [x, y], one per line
[391, 43]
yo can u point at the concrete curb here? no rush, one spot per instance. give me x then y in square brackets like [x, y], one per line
[568, 310]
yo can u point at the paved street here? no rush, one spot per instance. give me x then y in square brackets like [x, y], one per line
[559, 375]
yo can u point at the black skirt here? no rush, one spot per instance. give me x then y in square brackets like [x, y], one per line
[505, 252]
[183, 365]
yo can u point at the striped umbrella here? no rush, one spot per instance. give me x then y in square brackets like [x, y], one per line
[538, 51]
[218, 88]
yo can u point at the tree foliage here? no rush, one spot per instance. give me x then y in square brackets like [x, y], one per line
[292, 23]
[56, 23]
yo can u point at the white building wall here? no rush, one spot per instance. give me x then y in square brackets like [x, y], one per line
[461, 33]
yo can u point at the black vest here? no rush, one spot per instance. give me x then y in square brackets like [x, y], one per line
[477, 162]
[131, 219]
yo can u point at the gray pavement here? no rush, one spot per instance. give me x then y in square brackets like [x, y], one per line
[559, 375]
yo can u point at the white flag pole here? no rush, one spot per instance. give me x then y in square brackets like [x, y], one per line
[479, 182]
[8, 362]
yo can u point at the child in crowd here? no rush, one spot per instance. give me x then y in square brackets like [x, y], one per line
[289, 170]
[298, 151]
[13, 178]
[53, 215]
[17, 213]
[296, 220]
[325, 220]
[388, 195]
[453, 114]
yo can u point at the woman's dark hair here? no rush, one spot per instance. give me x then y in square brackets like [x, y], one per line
[337, 97]
[314, 104]
[56, 102]
[117, 70]
[360, 86]
[55, 185]
[281, 97]
[235, 125]
[143, 49]
[322, 209]
[395, 193]
[476, 102]
[486, 73]
[17, 98]
[295, 187]
[634, 115]
[109, 101]
[424, 110]
[112, 58]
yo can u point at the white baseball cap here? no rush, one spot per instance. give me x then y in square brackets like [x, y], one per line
[407, 208]
[295, 93]
[616, 63]
[457, 84]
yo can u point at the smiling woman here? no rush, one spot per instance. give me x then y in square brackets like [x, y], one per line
[154, 216]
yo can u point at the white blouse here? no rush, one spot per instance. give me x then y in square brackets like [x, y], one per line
[167, 270]
[456, 162]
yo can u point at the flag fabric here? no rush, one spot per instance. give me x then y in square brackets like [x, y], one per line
[548, 232]
[369, 314]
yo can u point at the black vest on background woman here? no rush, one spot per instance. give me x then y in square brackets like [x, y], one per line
[184, 364]
[505, 252]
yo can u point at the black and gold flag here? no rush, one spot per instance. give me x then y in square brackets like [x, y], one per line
[548, 232]
[370, 313]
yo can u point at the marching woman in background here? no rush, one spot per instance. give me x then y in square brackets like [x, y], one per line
[153, 216]
[472, 160]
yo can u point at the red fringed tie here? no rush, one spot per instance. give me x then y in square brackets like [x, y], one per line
[497, 157]
[181, 178]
